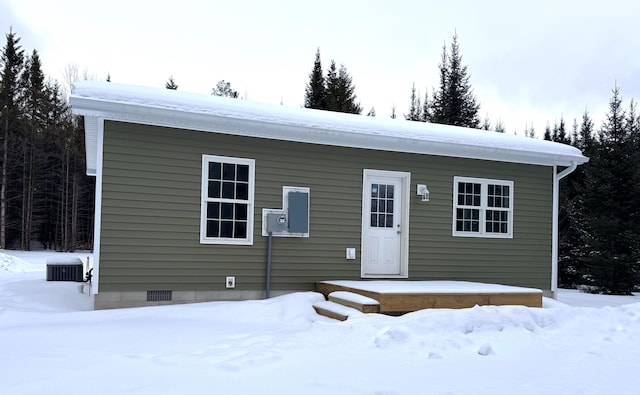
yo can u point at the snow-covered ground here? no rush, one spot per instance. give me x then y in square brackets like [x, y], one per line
[51, 343]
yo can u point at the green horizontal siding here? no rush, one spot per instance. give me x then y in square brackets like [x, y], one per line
[151, 214]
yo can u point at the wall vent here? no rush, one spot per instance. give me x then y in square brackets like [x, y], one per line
[159, 296]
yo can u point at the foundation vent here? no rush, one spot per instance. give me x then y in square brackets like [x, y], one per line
[159, 296]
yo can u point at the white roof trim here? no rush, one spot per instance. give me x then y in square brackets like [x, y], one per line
[165, 107]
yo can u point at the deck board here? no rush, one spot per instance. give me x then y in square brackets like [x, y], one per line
[427, 295]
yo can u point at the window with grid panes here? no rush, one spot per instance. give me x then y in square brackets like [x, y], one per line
[227, 200]
[482, 207]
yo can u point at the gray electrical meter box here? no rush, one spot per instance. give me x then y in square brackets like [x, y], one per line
[298, 212]
[277, 222]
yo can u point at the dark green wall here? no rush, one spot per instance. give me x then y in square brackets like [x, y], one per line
[151, 214]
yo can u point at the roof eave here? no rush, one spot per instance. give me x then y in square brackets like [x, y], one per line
[177, 118]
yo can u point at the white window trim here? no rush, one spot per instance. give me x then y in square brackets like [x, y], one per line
[484, 182]
[204, 199]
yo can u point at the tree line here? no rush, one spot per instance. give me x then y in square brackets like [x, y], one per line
[45, 196]
[599, 218]
[452, 103]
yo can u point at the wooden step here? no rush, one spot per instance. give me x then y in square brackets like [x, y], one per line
[335, 310]
[359, 302]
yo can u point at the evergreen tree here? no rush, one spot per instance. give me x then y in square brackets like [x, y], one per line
[340, 92]
[438, 110]
[547, 133]
[12, 64]
[454, 102]
[609, 231]
[486, 123]
[572, 253]
[171, 84]
[632, 126]
[575, 132]
[332, 90]
[586, 135]
[560, 133]
[33, 98]
[315, 92]
[500, 127]
[393, 111]
[529, 131]
[224, 89]
[346, 83]
[425, 108]
[372, 112]
[335, 92]
[415, 107]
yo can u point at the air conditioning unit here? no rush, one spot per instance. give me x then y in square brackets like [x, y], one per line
[65, 269]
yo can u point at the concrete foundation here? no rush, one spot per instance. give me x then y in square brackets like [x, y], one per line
[116, 300]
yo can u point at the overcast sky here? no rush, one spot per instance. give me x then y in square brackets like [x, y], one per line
[530, 61]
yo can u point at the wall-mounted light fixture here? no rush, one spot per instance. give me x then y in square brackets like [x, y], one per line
[424, 192]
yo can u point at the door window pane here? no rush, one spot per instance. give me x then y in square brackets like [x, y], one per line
[382, 202]
[390, 191]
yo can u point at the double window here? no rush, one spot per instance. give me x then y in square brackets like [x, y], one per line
[482, 207]
[227, 200]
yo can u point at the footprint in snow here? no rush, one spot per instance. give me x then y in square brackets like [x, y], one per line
[485, 350]
[392, 336]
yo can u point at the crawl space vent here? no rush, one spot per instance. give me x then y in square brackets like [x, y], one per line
[159, 296]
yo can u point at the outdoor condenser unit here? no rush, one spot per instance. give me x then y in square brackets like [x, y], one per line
[65, 270]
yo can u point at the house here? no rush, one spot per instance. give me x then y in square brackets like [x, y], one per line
[189, 187]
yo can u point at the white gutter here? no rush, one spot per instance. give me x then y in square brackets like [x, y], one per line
[554, 238]
[567, 171]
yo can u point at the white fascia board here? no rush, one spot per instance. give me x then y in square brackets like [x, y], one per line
[279, 129]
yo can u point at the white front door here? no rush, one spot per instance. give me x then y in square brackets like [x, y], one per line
[385, 223]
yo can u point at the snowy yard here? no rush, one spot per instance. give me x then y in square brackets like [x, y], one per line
[51, 343]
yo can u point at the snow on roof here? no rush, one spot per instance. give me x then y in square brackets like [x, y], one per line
[170, 108]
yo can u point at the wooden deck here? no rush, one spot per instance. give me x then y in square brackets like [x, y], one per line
[399, 297]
